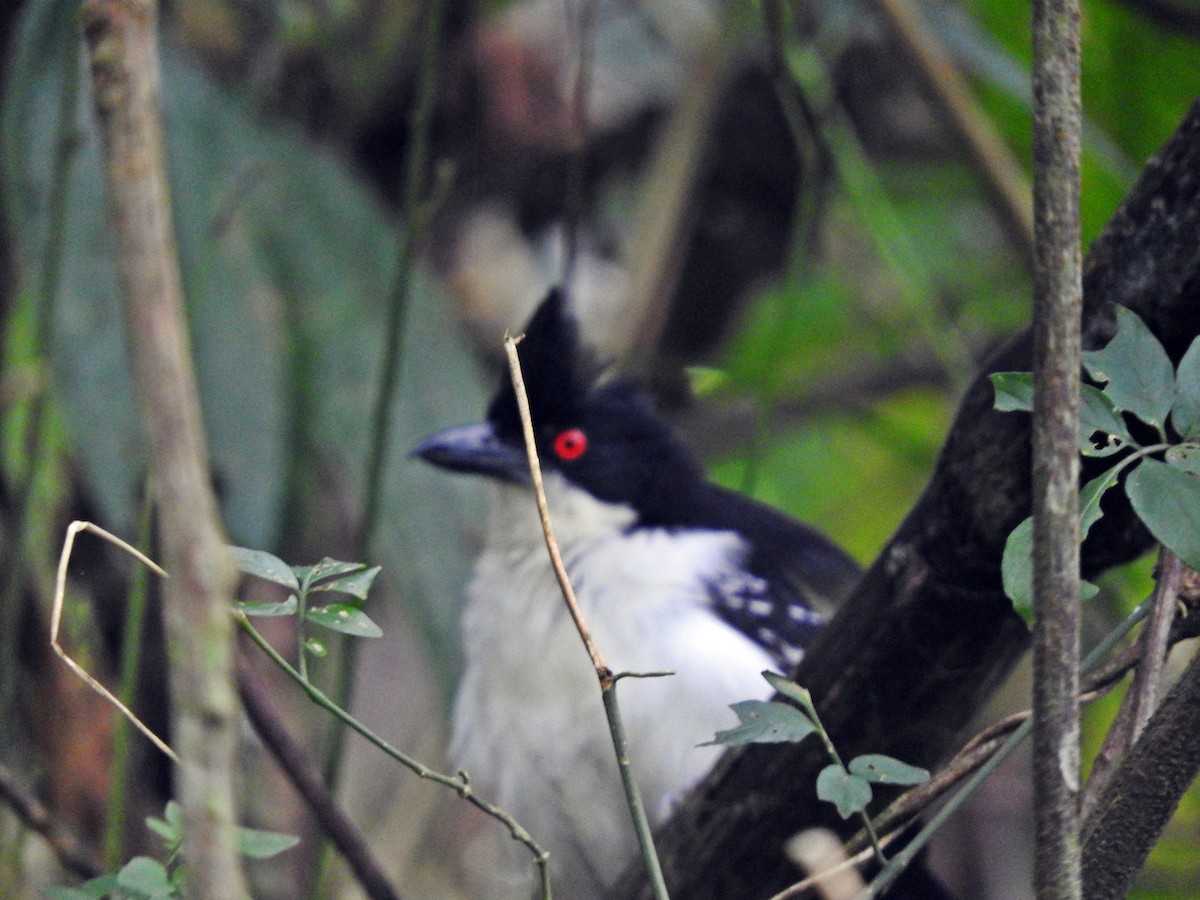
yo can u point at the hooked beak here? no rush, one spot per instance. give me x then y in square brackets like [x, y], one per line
[475, 449]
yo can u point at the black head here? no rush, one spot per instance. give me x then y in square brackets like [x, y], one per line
[602, 436]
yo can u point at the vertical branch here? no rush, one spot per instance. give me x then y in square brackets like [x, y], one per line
[121, 38]
[1058, 298]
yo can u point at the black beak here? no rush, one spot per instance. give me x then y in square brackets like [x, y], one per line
[477, 450]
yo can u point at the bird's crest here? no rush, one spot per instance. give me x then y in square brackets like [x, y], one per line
[559, 372]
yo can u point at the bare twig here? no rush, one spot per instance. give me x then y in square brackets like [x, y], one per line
[1057, 347]
[68, 849]
[1139, 702]
[122, 41]
[60, 590]
[605, 676]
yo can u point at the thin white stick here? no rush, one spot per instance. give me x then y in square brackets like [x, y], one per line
[60, 590]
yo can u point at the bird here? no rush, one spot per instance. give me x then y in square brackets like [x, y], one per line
[671, 571]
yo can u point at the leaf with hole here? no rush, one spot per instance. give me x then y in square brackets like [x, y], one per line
[345, 618]
[881, 769]
[850, 793]
[1167, 500]
[764, 722]
[1139, 375]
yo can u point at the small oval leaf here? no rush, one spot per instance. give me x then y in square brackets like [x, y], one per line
[345, 618]
[882, 769]
[848, 792]
[316, 647]
[258, 844]
[146, 877]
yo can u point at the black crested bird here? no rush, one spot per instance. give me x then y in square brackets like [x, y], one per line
[671, 572]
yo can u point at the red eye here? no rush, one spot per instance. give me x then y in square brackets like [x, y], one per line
[570, 444]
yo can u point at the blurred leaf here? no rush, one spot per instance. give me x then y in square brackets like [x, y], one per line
[1140, 376]
[258, 844]
[146, 878]
[267, 566]
[880, 769]
[764, 722]
[92, 889]
[849, 793]
[288, 266]
[316, 647]
[1014, 391]
[1167, 500]
[344, 618]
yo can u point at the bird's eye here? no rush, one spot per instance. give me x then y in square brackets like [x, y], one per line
[570, 444]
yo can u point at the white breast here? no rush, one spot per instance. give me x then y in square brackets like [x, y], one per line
[529, 725]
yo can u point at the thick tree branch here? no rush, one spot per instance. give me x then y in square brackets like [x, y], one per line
[1143, 793]
[121, 38]
[928, 632]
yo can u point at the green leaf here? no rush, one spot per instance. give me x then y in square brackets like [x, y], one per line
[1185, 413]
[789, 689]
[356, 584]
[262, 564]
[1167, 500]
[887, 770]
[764, 722]
[146, 878]
[1185, 457]
[1014, 391]
[1089, 498]
[705, 381]
[848, 792]
[262, 608]
[258, 844]
[316, 647]
[1139, 373]
[325, 569]
[1016, 569]
[1097, 413]
[169, 828]
[345, 618]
